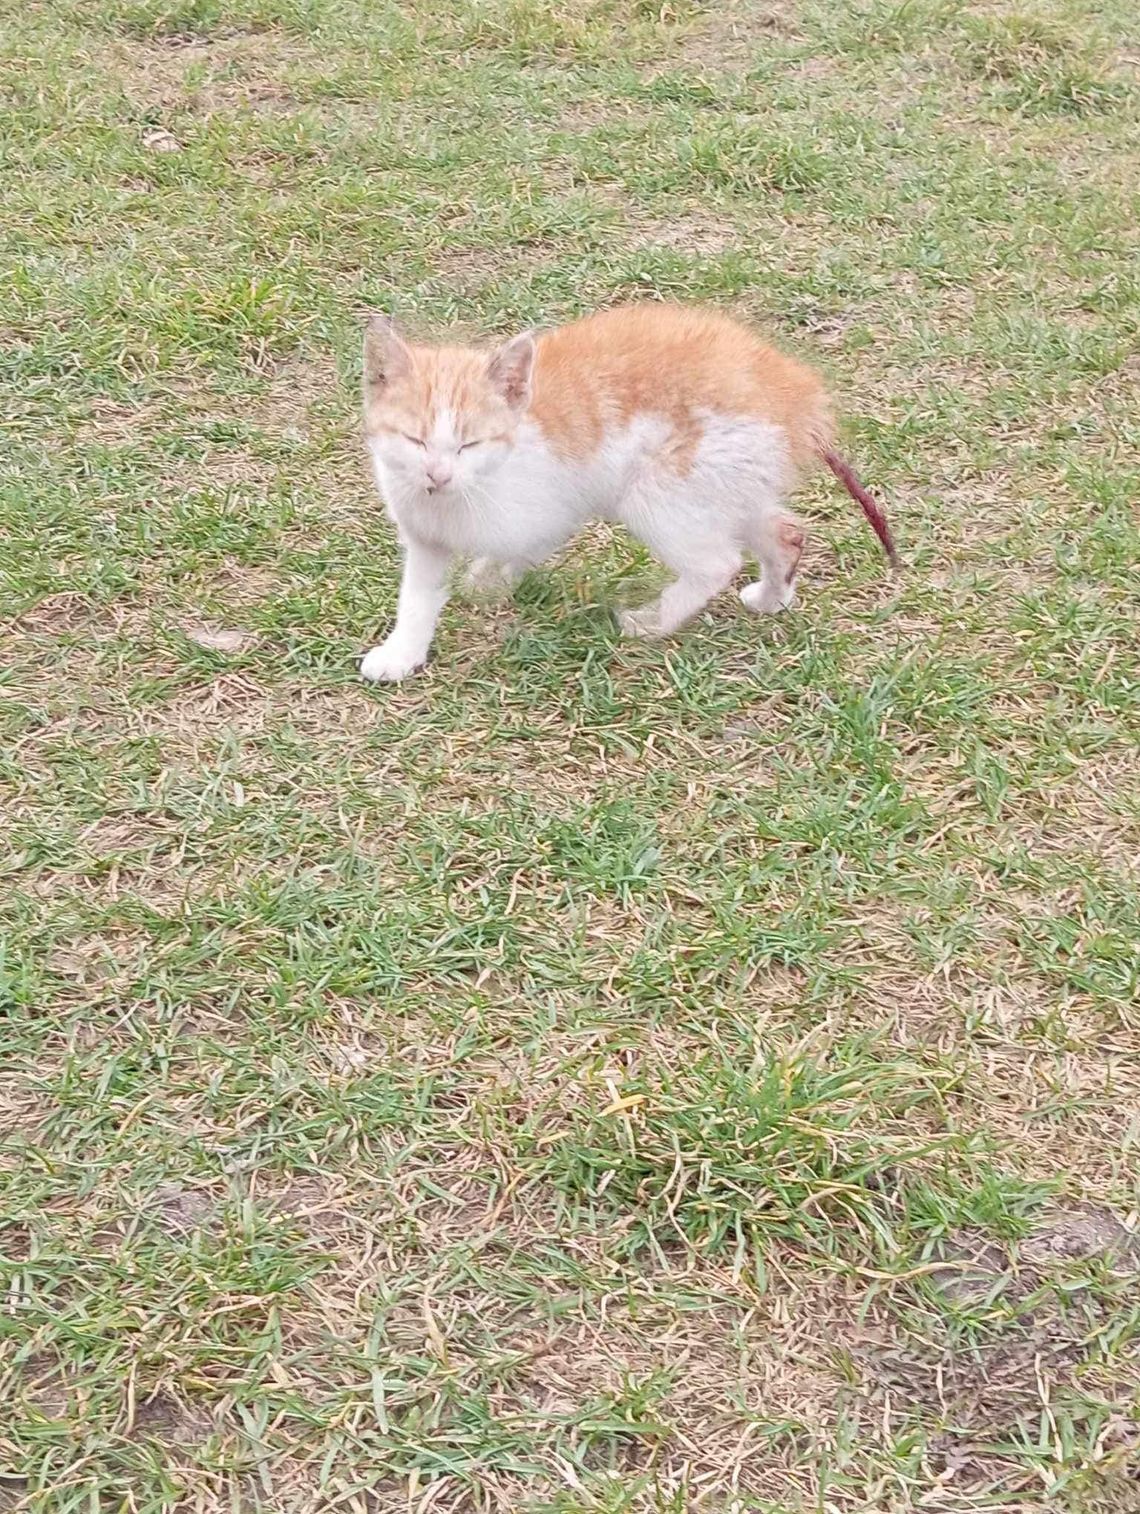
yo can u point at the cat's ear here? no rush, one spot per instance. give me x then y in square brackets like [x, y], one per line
[511, 369]
[386, 354]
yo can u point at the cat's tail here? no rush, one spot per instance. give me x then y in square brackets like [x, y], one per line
[871, 509]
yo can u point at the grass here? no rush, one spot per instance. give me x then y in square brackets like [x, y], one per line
[595, 1077]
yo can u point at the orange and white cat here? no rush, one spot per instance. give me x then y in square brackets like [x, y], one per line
[680, 423]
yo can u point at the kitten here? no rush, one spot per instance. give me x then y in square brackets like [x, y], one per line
[679, 423]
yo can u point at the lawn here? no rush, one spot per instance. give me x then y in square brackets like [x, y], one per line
[594, 1076]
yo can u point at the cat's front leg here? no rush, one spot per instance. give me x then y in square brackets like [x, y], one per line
[423, 594]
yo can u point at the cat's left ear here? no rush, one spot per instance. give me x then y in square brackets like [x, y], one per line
[511, 369]
[386, 354]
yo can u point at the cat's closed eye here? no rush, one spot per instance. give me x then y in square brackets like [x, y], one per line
[416, 441]
[476, 442]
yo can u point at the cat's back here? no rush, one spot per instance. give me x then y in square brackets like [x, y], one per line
[671, 361]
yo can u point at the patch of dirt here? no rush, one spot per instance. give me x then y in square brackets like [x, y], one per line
[465, 270]
[56, 614]
[23, 1114]
[163, 889]
[237, 583]
[985, 1391]
[164, 1418]
[1024, 1089]
[117, 835]
[349, 1058]
[829, 330]
[68, 613]
[635, 1359]
[96, 962]
[975, 1270]
[1031, 1341]
[44, 1387]
[1078, 1234]
[821, 66]
[241, 71]
[231, 468]
[703, 236]
[295, 387]
[13, 1491]
[195, 712]
[179, 1209]
[585, 115]
[303, 1198]
[112, 422]
[731, 33]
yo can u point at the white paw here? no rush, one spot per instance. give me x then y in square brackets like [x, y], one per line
[388, 664]
[489, 579]
[644, 622]
[764, 598]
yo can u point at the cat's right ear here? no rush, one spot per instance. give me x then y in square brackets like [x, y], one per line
[511, 369]
[386, 354]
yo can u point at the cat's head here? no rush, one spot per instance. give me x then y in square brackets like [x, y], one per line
[441, 420]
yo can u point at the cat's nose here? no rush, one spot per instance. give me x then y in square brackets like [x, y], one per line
[438, 475]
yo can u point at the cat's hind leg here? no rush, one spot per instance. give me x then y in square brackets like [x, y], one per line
[777, 538]
[690, 539]
[701, 511]
[486, 578]
[695, 585]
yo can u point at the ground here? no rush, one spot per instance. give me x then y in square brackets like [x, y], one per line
[594, 1076]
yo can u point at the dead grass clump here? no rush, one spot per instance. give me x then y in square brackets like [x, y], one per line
[729, 36]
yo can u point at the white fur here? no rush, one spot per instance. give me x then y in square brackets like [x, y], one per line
[512, 506]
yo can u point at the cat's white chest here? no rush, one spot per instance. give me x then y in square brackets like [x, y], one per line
[524, 511]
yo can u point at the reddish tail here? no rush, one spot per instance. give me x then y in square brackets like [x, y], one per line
[846, 477]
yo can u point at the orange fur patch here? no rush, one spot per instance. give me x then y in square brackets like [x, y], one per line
[790, 535]
[439, 378]
[673, 362]
[662, 360]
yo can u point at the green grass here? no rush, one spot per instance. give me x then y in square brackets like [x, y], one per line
[595, 1077]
